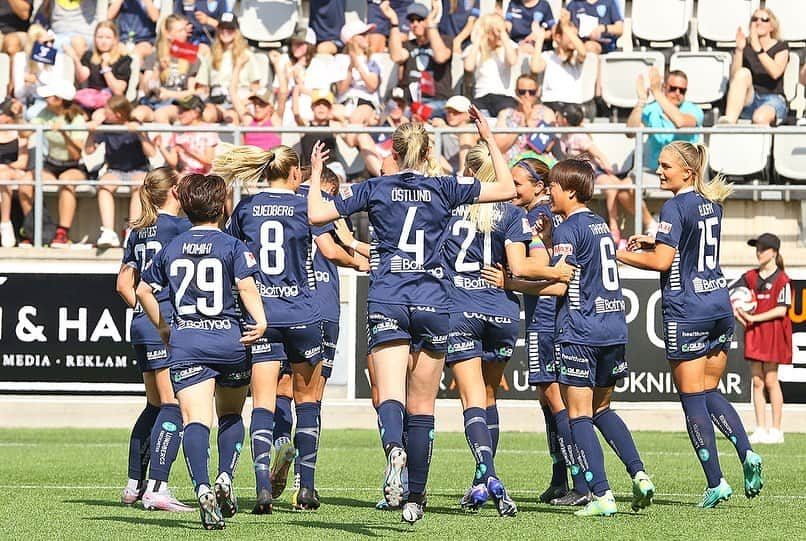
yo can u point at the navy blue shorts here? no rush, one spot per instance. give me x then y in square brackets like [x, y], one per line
[376, 17]
[234, 375]
[540, 354]
[422, 326]
[297, 344]
[686, 341]
[590, 366]
[478, 335]
[151, 356]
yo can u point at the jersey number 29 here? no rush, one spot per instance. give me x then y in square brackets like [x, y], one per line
[209, 278]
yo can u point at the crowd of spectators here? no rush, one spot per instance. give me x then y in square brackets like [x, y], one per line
[523, 67]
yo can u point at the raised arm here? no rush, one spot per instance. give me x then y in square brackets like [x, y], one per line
[503, 189]
[320, 211]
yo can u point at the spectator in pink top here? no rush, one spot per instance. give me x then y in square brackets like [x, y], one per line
[264, 109]
[189, 152]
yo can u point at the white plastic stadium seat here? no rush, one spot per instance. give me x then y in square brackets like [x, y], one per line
[5, 74]
[791, 15]
[708, 74]
[588, 79]
[791, 75]
[619, 72]
[268, 20]
[753, 157]
[661, 20]
[789, 152]
[717, 20]
[617, 147]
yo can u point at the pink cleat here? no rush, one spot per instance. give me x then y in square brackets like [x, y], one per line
[164, 501]
[130, 495]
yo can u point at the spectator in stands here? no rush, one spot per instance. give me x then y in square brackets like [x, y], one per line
[126, 157]
[103, 71]
[294, 68]
[72, 22]
[376, 147]
[137, 22]
[14, 16]
[529, 113]
[322, 106]
[261, 112]
[562, 67]
[217, 72]
[33, 70]
[426, 60]
[168, 74]
[455, 146]
[13, 161]
[358, 91]
[600, 23]
[756, 88]
[189, 152]
[62, 152]
[527, 18]
[457, 21]
[669, 110]
[327, 20]
[491, 56]
[384, 24]
[205, 17]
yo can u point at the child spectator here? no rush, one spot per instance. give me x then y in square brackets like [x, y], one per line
[529, 113]
[204, 16]
[137, 21]
[358, 90]
[126, 157]
[455, 146]
[13, 160]
[491, 56]
[260, 112]
[600, 23]
[322, 106]
[40, 65]
[193, 151]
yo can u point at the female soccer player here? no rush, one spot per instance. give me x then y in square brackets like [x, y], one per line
[274, 225]
[697, 315]
[408, 298]
[157, 433]
[200, 268]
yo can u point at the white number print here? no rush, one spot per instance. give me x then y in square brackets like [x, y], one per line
[418, 246]
[470, 236]
[708, 241]
[272, 236]
[607, 252]
[141, 252]
[209, 275]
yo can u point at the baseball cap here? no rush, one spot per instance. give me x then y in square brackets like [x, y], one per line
[190, 102]
[322, 95]
[7, 107]
[418, 10]
[304, 34]
[265, 96]
[766, 240]
[398, 94]
[228, 20]
[61, 89]
[354, 28]
[458, 103]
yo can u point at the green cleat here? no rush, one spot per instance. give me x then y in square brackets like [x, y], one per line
[642, 491]
[753, 480]
[713, 496]
[600, 506]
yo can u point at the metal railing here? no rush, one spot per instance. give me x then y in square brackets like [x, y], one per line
[238, 132]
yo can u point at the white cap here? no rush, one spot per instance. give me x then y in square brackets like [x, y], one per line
[458, 103]
[61, 89]
[310, 36]
[354, 28]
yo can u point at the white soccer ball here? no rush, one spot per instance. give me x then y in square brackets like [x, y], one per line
[744, 299]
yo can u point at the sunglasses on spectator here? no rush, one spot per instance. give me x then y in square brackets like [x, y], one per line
[415, 19]
[681, 89]
[524, 91]
[755, 19]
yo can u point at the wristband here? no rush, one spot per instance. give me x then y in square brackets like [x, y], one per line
[104, 71]
[394, 25]
[354, 244]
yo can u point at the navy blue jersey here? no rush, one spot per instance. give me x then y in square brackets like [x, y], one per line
[409, 213]
[452, 23]
[326, 274]
[467, 251]
[522, 17]
[694, 288]
[591, 312]
[586, 15]
[141, 247]
[274, 225]
[539, 310]
[200, 268]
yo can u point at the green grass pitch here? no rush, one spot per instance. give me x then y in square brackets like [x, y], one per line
[66, 484]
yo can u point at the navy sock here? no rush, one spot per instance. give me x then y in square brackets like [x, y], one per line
[726, 419]
[230, 442]
[390, 424]
[166, 436]
[196, 445]
[260, 433]
[701, 433]
[306, 440]
[478, 438]
[492, 425]
[619, 438]
[418, 449]
[559, 476]
[405, 427]
[569, 451]
[283, 420]
[139, 442]
[591, 458]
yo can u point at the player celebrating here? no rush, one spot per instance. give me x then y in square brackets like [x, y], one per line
[200, 268]
[697, 316]
[408, 298]
[156, 435]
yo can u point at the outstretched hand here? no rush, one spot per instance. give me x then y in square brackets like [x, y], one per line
[319, 156]
[481, 123]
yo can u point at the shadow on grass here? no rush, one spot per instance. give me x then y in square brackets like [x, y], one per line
[166, 522]
[105, 503]
[354, 528]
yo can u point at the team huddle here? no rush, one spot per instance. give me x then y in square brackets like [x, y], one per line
[256, 306]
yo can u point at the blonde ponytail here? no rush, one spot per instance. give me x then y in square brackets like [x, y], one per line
[483, 215]
[153, 195]
[250, 164]
[410, 142]
[695, 157]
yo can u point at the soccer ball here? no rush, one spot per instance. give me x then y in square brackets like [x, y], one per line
[744, 299]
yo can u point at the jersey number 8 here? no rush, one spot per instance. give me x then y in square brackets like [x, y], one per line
[272, 254]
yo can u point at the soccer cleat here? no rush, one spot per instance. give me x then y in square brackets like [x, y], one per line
[393, 479]
[108, 239]
[305, 499]
[263, 505]
[225, 495]
[753, 479]
[474, 498]
[572, 499]
[282, 462]
[506, 507]
[599, 506]
[553, 492]
[163, 500]
[130, 495]
[713, 496]
[412, 512]
[211, 517]
[642, 491]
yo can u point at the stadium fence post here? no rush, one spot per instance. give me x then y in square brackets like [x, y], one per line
[38, 199]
